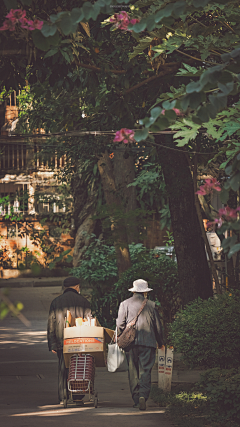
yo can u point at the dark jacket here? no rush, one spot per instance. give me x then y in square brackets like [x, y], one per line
[148, 326]
[69, 300]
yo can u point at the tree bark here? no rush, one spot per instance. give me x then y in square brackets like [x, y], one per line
[124, 174]
[205, 239]
[114, 202]
[194, 273]
[231, 274]
[84, 209]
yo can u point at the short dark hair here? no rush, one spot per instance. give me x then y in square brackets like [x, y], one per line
[71, 281]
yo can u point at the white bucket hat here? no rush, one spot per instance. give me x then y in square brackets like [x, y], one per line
[140, 285]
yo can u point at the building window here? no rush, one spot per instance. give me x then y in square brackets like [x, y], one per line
[11, 231]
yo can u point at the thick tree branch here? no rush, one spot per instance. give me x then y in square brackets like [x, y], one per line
[98, 69]
[199, 214]
[163, 73]
[194, 57]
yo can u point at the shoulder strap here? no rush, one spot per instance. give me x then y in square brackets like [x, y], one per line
[133, 322]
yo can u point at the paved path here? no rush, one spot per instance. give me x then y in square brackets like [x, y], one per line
[28, 378]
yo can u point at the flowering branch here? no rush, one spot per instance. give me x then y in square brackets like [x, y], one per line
[121, 21]
[225, 214]
[18, 16]
[124, 135]
[210, 185]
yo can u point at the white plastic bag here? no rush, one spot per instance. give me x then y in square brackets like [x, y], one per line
[116, 358]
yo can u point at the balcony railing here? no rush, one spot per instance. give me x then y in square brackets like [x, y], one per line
[20, 156]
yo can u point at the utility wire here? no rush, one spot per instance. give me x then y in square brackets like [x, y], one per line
[12, 139]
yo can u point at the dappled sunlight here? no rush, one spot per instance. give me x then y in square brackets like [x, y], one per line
[22, 337]
[55, 411]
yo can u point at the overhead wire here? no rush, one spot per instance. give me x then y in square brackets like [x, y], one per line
[12, 139]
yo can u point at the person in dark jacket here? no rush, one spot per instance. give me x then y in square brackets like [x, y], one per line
[79, 307]
[142, 353]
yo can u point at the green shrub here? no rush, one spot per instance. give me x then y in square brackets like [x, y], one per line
[182, 398]
[222, 388]
[98, 269]
[161, 274]
[207, 332]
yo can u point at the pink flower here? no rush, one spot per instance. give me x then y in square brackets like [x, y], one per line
[23, 22]
[225, 214]
[121, 20]
[19, 16]
[177, 111]
[16, 14]
[210, 185]
[34, 25]
[8, 25]
[228, 213]
[134, 21]
[125, 135]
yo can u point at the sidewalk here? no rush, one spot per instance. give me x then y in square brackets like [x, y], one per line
[31, 282]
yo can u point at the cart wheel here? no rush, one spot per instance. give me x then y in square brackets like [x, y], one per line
[65, 398]
[95, 400]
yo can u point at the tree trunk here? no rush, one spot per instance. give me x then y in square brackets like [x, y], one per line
[124, 174]
[231, 276]
[84, 209]
[114, 202]
[194, 274]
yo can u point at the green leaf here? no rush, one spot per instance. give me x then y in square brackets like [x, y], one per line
[162, 123]
[235, 181]
[48, 29]
[203, 114]
[194, 87]
[224, 196]
[169, 105]
[164, 13]
[200, 3]
[77, 15]
[233, 250]
[65, 55]
[141, 135]
[87, 9]
[170, 114]
[179, 8]
[95, 11]
[54, 40]
[40, 41]
[195, 99]
[66, 24]
[155, 112]
[231, 127]
[229, 242]
[54, 18]
[140, 26]
[218, 101]
[185, 101]
[51, 265]
[185, 134]
[4, 312]
[51, 52]
[150, 22]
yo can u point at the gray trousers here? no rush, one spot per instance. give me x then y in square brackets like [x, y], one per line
[140, 363]
[62, 376]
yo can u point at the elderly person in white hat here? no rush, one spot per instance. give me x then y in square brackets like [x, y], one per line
[141, 354]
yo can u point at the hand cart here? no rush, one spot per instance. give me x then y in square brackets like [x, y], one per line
[81, 379]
